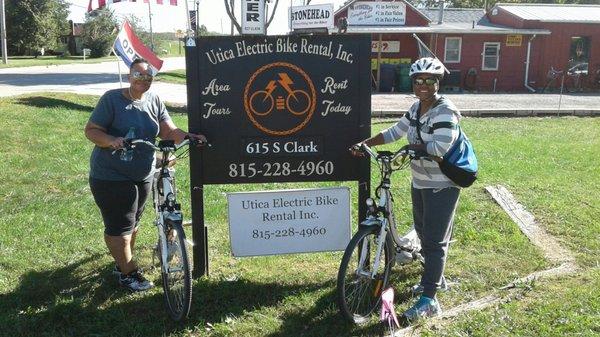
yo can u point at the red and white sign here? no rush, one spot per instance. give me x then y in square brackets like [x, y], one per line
[386, 46]
[129, 47]
[96, 4]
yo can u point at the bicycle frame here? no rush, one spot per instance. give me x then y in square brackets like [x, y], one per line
[381, 213]
[166, 207]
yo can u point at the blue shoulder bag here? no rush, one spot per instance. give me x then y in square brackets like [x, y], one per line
[459, 164]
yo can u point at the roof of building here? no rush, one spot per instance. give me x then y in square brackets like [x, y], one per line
[456, 21]
[454, 14]
[553, 12]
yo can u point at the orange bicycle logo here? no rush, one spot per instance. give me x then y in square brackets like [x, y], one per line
[279, 99]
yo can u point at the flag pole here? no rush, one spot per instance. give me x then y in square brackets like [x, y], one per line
[119, 67]
[187, 15]
[151, 34]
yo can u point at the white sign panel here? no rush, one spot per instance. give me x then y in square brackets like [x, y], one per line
[366, 13]
[386, 46]
[289, 221]
[253, 17]
[316, 16]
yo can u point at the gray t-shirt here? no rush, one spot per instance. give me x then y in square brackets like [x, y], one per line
[117, 115]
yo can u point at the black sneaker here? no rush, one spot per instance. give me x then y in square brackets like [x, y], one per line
[135, 281]
[117, 271]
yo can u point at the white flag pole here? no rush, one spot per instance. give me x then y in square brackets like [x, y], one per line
[187, 15]
[119, 67]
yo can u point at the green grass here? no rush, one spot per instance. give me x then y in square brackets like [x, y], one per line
[175, 76]
[55, 273]
[30, 61]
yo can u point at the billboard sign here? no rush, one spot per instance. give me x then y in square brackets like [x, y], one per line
[368, 13]
[309, 17]
[253, 17]
[279, 108]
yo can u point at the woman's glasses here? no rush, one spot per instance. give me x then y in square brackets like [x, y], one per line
[428, 81]
[142, 77]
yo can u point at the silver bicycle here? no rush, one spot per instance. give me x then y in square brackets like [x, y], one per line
[172, 246]
[376, 247]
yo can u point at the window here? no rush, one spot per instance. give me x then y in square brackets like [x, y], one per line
[490, 56]
[579, 54]
[452, 50]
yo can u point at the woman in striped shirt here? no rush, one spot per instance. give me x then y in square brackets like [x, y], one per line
[430, 125]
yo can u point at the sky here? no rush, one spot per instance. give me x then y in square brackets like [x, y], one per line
[167, 18]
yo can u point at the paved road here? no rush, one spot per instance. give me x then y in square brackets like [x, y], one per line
[96, 78]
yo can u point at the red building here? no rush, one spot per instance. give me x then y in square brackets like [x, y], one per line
[512, 47]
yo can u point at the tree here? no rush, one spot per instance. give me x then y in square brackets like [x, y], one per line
[99, 31]
[35, 24]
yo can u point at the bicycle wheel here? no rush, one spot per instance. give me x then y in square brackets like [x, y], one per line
[358, 292]
[177, 274]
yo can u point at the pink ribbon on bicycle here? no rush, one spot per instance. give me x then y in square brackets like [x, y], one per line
[387, 308]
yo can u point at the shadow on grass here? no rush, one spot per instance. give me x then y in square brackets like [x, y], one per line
[84, 299]
[49, 102]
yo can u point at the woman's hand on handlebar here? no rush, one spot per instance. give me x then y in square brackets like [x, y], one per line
[117, 143]
[357, 150]
[197, 139]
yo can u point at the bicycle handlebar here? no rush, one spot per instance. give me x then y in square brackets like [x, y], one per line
[129, 144]
[390, 156]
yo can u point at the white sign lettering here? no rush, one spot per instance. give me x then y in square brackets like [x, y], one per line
[289, 221]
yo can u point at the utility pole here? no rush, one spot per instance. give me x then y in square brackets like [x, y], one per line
[3, 34]
[197, 17]
[233, 10]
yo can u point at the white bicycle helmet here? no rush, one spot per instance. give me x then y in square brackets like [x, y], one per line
[427, 65]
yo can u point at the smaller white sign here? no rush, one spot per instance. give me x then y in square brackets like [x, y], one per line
[384, 13]
[253, 17]
[386, 46]
[289, 221]
[315, 16]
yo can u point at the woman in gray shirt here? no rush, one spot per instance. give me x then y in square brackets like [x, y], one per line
[121, 185]
[434, 196]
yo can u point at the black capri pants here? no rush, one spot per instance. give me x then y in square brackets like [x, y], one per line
[121, 203]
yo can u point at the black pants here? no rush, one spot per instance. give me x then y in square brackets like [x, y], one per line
[121, 203]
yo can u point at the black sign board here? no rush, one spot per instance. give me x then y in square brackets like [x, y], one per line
[276, 109]
[280, 108]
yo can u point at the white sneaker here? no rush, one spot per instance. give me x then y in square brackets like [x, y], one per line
[135, 281]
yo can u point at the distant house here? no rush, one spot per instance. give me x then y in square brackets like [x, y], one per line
[512, 47]
[73, 41]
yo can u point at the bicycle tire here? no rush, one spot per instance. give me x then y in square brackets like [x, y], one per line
[351, 287]
[177, 276]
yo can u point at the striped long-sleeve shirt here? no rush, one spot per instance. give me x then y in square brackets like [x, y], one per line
[439, 130]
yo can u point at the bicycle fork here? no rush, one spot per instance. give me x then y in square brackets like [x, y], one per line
[365, 252]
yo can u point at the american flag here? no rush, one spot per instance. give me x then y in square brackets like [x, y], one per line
[95, 4]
